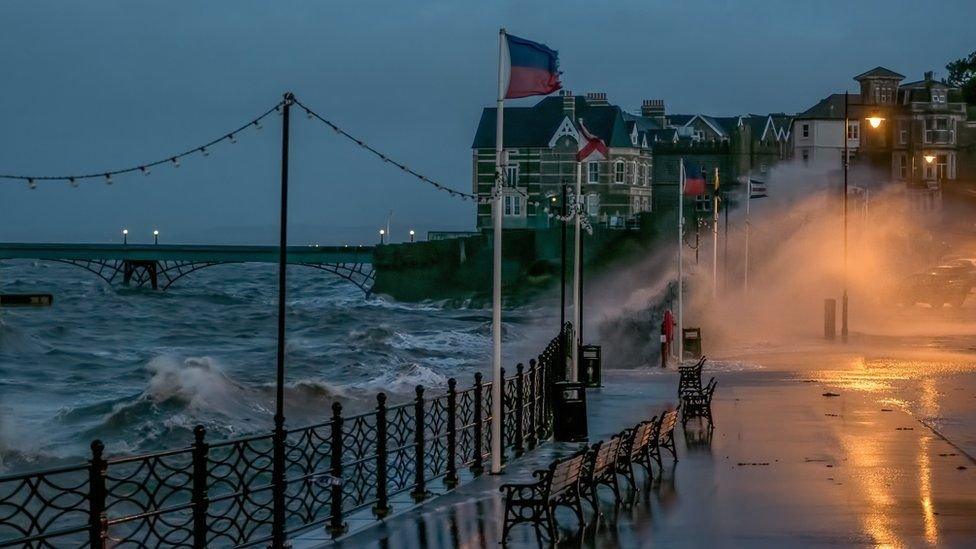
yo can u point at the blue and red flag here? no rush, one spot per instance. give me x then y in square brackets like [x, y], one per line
[694, 180]
[533, 68]
[594, 145]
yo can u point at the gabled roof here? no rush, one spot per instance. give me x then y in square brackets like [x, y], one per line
[534, 126]
[830, 107]
[878, 72]
[679, 119]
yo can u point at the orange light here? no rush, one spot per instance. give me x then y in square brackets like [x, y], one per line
[929, 158]
[875, 121]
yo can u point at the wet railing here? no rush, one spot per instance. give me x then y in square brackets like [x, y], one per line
[224, 493]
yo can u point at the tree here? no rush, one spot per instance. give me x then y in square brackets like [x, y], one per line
[962, 73]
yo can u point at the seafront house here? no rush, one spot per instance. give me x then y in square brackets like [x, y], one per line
[541, 143]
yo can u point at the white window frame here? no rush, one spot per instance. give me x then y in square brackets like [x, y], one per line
[763, 167]
[633, 172]
[593, 204]
[619, 172]
[512, 205]
[647, 174]
[512, 175]
[805, 130]
[592, 172]
[853, 130]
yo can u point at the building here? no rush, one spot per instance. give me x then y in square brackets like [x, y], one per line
[541, 143]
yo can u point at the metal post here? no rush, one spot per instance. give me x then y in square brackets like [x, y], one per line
[577, 319]
[382, 507]
[477, 467]
[681, 245]
[501, 417]
[336, 527]
[200, 500]
[843, 312]
[534, 401]
[97, 521]
[562, 278]
[519, 410]
[420, 478]
[451, 479]
[715, 237]
[278, 465]
[496, 309]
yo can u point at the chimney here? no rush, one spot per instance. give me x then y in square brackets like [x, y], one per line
[569, 104]
[654, 108]
[597, 98]
[928, 76]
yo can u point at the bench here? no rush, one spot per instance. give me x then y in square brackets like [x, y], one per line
[536, 501]
[690, 377]
[663, 437]
[634, 451]
[698, 404]
[601, 469]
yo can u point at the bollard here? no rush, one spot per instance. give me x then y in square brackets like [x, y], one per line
[830, 319]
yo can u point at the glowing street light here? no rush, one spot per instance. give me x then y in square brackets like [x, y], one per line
[382, 235]
[155, 236]
[875, 121]
[929, 158]
[125, 236]
[412, 233]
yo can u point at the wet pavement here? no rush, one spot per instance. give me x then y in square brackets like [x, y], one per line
[784, 466]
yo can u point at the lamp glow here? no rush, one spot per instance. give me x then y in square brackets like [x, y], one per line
[929, 158]
[875, 121]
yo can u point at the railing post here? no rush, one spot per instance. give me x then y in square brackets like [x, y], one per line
[278, 486]
[501, 416]
[97, 521]
[451, 480]
[534, 402]
[478, 467]
[336, 526]
[544, 417]
[519, 410]
[382, 507]
[420, 484]
[200, 500]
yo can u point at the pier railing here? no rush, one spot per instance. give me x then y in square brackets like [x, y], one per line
[216, 494]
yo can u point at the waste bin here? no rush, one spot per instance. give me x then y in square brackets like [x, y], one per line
[589, 368]
[569, 412]
[692, 342]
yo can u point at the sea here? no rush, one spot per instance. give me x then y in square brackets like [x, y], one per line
[138, 368]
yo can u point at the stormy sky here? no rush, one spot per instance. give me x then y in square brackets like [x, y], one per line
[98, 85]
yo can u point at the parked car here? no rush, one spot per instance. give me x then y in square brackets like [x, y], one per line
[949, 284]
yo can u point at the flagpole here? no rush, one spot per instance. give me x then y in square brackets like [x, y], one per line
[715, 238]
[577, 257]
[681, 245]
[496, 311]
[748, 203]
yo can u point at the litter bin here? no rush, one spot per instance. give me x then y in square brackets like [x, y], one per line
[589, 370]
[569, 412]
[692, 342]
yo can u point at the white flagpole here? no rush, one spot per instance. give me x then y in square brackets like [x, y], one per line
[748, 203]
[715, 236]
[577, 257]
[681, 245]
[496, 311]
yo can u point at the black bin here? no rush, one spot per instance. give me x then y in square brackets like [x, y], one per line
[569, 411]
[589, 367]
[692, 342]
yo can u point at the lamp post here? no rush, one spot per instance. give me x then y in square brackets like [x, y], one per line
[412, 235]
[125, 236]
[155, 236]
[382, 235]
[875, 122]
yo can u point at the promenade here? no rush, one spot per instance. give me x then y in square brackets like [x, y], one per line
[785, 466]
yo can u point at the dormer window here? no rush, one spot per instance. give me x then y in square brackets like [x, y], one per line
[618, 171]
[938, 96]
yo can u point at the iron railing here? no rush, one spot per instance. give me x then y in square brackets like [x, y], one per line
[225, 494]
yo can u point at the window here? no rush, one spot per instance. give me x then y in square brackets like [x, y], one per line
[511, 175]
[853, 130]
[647, 175]
[592, 172]
[806, 156]
[699, 135]
[637, 204]
[903, 137]
[942, 167]
[513, 206]
[646, 203]
[762, 168]
[938, 96]
[633, 172]
[903, 166]
[618, 172]
[937, 131]
[806, 130]
[593, 204]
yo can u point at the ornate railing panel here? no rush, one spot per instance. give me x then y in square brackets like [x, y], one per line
[223, 494]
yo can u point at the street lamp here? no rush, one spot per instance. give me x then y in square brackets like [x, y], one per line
[155, 236]
[411, 235]
[382, 235]
[125, 236]
[875, 121]
[929, 158]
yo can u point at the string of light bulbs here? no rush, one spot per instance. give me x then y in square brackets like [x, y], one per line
[146, 168]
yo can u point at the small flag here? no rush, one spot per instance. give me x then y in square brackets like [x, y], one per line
[593, 145]
[694, 180]
[533, 68]
[757, 189]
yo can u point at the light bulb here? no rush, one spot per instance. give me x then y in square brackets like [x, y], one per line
[233, 139]
[108, 179]
[73, 182]
[31, 183]
[145, 170]
[204, 151]
[175, 161]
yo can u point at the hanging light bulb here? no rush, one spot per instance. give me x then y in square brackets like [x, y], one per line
[232, 138]
[145, 170]
[108, 179]
[175, 161]
[257, 125]
[73, 182]
[31, 183]
[308, 113]
[204, 151]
